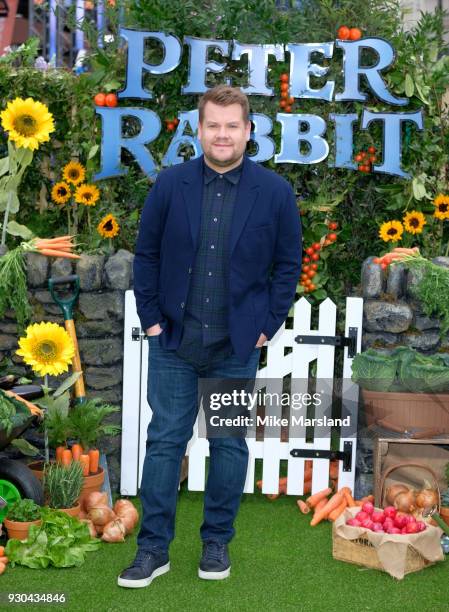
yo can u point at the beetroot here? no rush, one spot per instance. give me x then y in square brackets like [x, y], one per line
[378, 516]
[368, 508]
[362, 516]
[390, 512]
[353, 522]
[394, 530]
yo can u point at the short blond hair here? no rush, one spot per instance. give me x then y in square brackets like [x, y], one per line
[224, 95]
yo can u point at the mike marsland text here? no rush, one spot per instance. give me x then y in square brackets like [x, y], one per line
[275, 421]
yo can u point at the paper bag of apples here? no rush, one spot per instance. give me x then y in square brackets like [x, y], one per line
[112, 524]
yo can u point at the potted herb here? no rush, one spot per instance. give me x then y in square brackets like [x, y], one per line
[404, 388]
[62, 486]
[20, 516]
[87, 426]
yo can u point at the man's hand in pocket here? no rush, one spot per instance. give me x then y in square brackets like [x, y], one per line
[261, 341]
[154, 330]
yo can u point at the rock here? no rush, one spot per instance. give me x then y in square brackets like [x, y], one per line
[99, 305]
[43, 296]
[372, 278]
[423, 341]
[396, 281]
[100, 351]
[383, 338]
[8, 327]
[112, 395]
[118, 270]
[102, 378]
[61, 266]
[37, 269]
[8, 343]
[386, 316]
[95, 329]
[90, 271]
[423, 322]
[441, 261]
[414, 276]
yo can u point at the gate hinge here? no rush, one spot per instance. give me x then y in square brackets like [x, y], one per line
[137, 334]
[345, 455]
[338, 341]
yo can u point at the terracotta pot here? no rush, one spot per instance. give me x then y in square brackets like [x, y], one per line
[93, 482]
[407, 410]
[71, 511]
[37, 467]
[19, 530]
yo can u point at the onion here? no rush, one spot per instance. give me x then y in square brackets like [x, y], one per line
[114, 531]
[100, 515]
[92, 530]
[125, 510]
[405, 501]
[394, 490]
[427, 498]
[95, 498]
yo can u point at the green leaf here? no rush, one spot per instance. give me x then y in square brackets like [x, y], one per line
[419, 189]
[67, 383]
[25, 447]
[14, 203]
[24, 157]
[4, 165]
[409, 86]
[320, 294]
[93, 151]
[15, 229]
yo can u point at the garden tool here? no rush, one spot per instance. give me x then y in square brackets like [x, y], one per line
[66, 305]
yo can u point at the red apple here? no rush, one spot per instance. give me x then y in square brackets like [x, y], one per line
[412, 527]
[368, 508]
[390, 512]
[378, 516]
[421, 525]
[400, 521]
[362, 516]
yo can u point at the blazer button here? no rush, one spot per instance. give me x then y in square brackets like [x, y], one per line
[182, 304]
[190, 270]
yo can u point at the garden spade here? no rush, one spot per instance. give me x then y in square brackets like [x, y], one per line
[66, 305]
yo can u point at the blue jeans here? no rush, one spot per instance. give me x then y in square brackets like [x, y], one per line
[173, 397]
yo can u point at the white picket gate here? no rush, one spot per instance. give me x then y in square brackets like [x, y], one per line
[137, 413]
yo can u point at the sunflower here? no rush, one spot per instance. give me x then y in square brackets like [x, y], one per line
[391, 230]
[47, 348]
[108, 227]
[27, 122]
[74, 173]
[61, 193]
[87, 194]
[414, 221]
[441, 203]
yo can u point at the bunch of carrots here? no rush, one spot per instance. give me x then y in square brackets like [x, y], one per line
[396, 255]
[330, 508]
[61, 246]
[89, 460]
[308, 472]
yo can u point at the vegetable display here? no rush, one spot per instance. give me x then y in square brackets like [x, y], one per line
[24, 510]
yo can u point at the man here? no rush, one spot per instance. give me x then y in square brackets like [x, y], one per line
[212, 230]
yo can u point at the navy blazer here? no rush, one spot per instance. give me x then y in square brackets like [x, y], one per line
[264, 255]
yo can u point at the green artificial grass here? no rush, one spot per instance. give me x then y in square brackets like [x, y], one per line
[278, 563]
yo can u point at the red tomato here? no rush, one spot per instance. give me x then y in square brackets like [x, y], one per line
[332, 237]
[343, 32]
[100, 99]
[291, 101]
[306, 268]
[306, 259]
[111, 100]
[314, 266]
[358, 157]
[312, 287]
[311, 273]
[284, 77]
[284, 95]
[333, 225]
[372, 158]
[315, 257]
[284, 86]
[316, 246]
[170, 126]
[288, 109]
[371, 149]
[309, 250]
[283, 103]
[355, 34]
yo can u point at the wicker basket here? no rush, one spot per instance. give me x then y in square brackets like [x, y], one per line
[407, 464]
[361, 552]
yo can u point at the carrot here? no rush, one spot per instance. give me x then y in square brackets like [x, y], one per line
[307, 487]
[349, 499]
[320, 505]
[85, 462]
[272, 496]
[59, 451]
[259, 484]
[367, 498]
[338, 510]
[66, 457]
[316, 497]
[333, 503]
[94, 458]
[42, 244]
[54, 253]
[77, 451]
[2, 551]
[405, 250]
[305, 509]
[31, 407]
[333, 470]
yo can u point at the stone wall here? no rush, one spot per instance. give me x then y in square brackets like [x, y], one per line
[392, 316]
[98, 317]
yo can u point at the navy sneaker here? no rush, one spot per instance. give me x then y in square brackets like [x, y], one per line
[215, 563]
[147, 565]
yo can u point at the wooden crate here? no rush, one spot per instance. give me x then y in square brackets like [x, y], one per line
[362, 552]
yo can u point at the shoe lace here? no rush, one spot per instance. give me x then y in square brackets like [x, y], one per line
[141, 557]
[215, 550]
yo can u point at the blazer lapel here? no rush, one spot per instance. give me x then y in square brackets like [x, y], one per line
[247, 193]
[192, 191]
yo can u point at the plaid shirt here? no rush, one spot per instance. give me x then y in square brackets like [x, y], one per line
[207, 300]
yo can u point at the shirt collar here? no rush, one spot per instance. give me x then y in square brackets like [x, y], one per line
[232, 176]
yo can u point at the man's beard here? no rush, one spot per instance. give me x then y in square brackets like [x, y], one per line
[223, 163]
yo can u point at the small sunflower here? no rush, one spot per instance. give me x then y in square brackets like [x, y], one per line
[61, 193]
[391, 231]
[47, 348]
[27, 122]
[108, 227]
[74, 173]
[87, 194]
[441, 203]
[414, 221]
